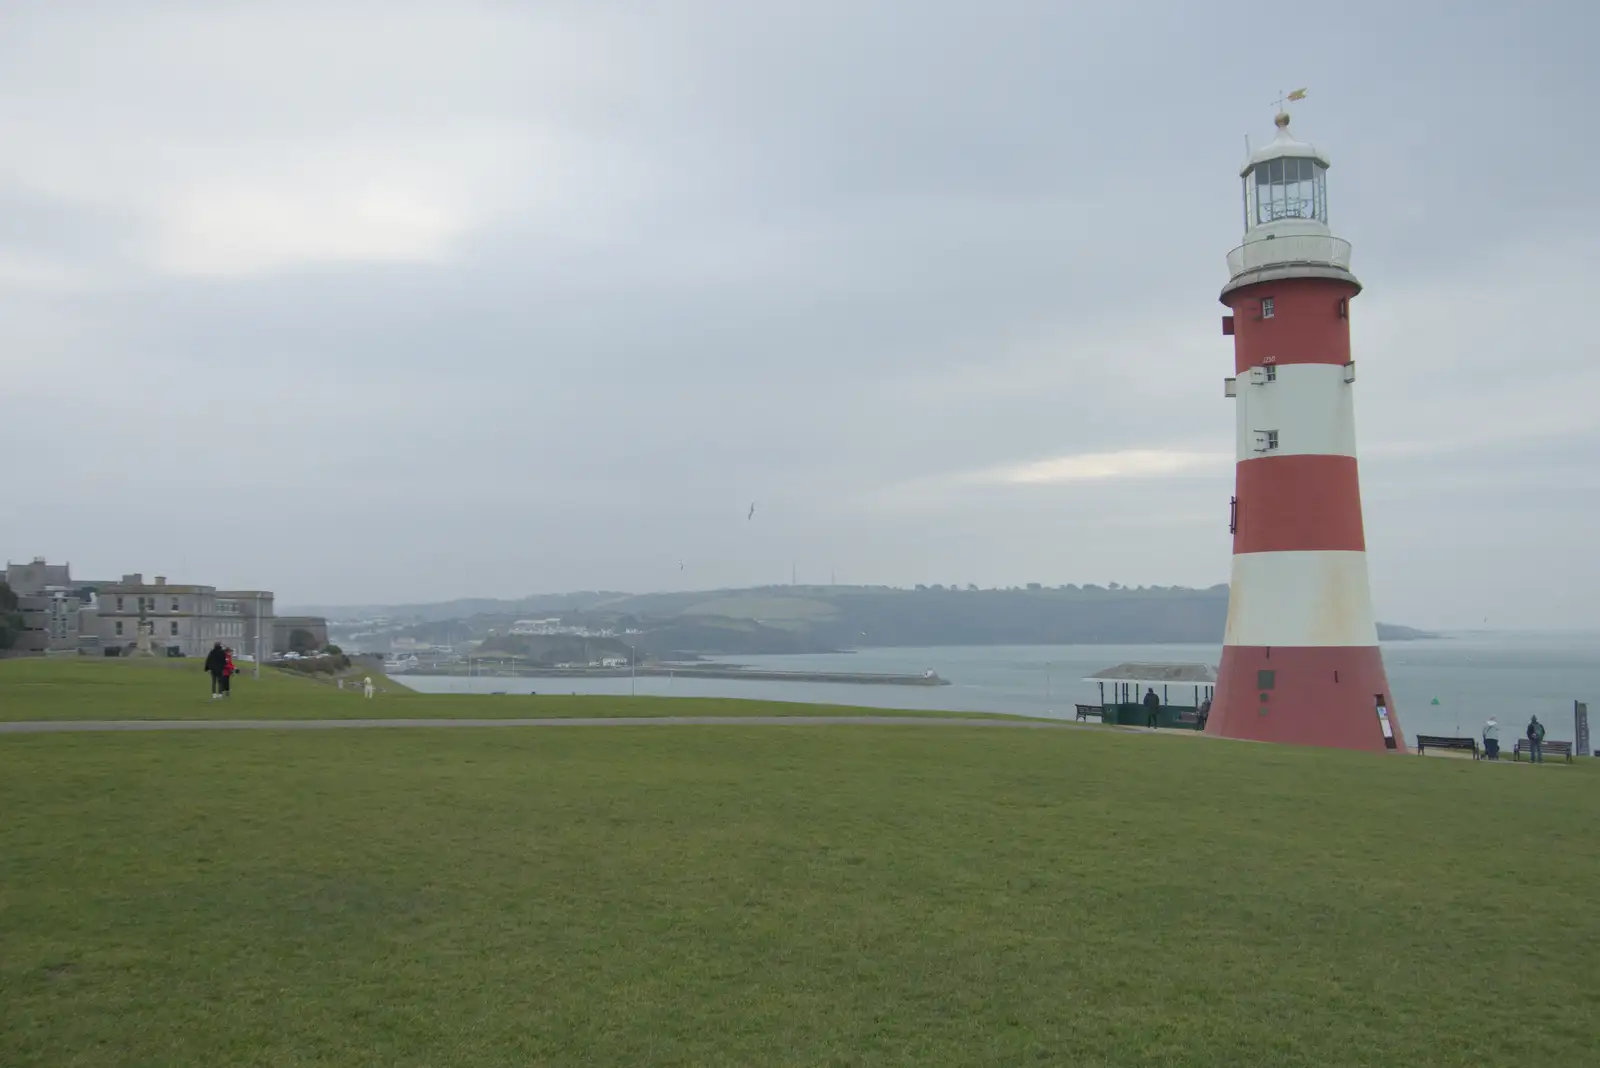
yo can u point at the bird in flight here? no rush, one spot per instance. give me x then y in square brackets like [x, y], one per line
[752, 514]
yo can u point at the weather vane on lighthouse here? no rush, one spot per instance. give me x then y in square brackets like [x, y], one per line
[1283, 116]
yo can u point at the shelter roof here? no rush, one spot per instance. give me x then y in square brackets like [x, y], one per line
[1156, 672]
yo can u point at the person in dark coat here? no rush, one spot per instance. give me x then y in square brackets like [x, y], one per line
[1204, 712]
[1152, 706]
[1535, 740]
[216, 665]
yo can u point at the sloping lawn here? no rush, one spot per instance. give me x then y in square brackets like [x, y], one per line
[747, 896]
[74, 688]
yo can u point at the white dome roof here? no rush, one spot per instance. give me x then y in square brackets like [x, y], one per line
[1283, 145]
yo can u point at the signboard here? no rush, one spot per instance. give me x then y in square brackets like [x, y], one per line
[1580, 728]
[1383, 722]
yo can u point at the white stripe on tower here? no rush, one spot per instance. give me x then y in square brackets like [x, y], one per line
[1318, 598]
[1310, 406]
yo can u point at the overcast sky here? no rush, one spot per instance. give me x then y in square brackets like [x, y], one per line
[493, 299]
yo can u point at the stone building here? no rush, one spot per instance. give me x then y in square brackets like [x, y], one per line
[188, 618]
[27, 580]
[239, 613]
[173, 619]
[56, 611]
[170, 615]
[283, 628]
[35, 636]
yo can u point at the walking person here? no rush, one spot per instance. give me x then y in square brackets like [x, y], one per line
[1491, 739]
[1535, 740]
[1204, 712]
[216, 664]
[227, 670]
[1152, 707]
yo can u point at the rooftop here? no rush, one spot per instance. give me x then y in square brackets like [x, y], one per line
[1151, 671]
[1283, 145]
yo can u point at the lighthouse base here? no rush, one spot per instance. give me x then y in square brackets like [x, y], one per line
[1325, 696]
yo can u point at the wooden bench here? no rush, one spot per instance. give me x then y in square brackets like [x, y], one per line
[1560, 749]
[1441, 741]
[1084, 711]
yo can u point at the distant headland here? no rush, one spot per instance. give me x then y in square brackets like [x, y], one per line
[797, 619]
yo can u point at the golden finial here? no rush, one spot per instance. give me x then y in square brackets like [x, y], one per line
[1282, 119]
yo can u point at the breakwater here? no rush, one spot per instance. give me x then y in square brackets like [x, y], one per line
[685, 671]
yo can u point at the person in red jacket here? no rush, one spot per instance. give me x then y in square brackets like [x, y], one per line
[227, 671]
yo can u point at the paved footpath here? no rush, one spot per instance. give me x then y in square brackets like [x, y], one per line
[69, 725]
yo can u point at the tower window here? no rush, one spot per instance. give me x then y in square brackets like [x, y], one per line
[1266, 440]
[1267, 309]
[1270, 372]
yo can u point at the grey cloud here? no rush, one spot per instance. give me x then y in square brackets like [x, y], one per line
[689, 255]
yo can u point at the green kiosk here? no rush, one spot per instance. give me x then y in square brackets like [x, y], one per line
[1122, 691]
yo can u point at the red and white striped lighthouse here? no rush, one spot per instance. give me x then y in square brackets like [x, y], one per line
[1300, 659]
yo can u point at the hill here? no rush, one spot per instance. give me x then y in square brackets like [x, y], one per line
[799, 619]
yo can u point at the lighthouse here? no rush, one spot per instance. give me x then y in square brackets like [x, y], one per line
[1300, 657]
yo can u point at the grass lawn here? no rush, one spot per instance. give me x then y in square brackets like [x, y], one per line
[110, 688]
[747, 896]
[774, 611]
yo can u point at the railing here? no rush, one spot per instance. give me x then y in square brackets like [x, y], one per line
[1315, 249]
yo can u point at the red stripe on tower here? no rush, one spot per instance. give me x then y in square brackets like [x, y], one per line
[1298, 504]
[1300, 659]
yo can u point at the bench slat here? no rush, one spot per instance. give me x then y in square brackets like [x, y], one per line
[1560, 749]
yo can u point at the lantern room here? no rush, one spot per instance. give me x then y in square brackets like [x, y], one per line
[1286, 180]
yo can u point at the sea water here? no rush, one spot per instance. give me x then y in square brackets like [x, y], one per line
[1446, 685]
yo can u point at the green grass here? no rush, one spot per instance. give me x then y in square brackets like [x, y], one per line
[771, 610]
[78, 688]
[787, 896]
